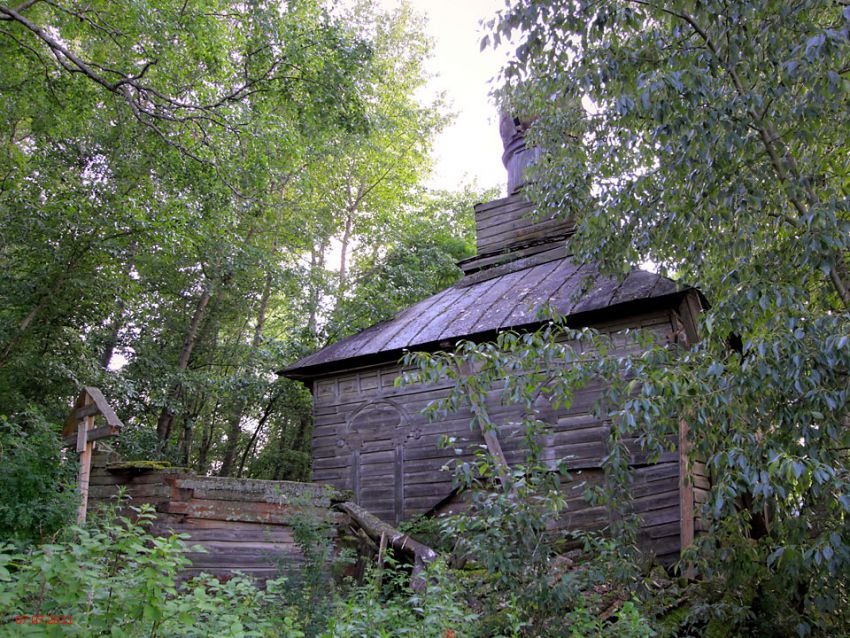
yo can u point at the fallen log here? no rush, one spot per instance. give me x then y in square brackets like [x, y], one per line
[417, 553]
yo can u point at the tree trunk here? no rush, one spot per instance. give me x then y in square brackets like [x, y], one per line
[317, 263]
[118, 316]
[112, 338]
[234, 422]
[185, 447]
[343, 254]
[206, 441]
[44, 302]
[281, 448]
[166, 417]
[266, 414]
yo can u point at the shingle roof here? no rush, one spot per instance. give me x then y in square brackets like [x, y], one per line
[507, 296]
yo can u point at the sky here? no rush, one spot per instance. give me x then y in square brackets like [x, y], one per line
[469, 149]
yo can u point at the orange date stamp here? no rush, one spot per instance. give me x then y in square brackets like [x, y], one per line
[44, 619]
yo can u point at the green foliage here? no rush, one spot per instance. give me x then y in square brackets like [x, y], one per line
[114, 578]
[509, 526]
[711, 138]
[629, 624]
[171, 196]
[415, 258]
[385, 607]
[38, 497]
[313, 589]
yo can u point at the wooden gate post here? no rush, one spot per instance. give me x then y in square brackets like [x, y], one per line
[79, 428]
[85, 448]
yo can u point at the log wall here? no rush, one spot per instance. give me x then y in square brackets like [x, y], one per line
[370, 437]
[509, 222]
[244, 525]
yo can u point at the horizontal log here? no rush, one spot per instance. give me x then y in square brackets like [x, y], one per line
[652, 473]
[589, 518]
[425, 480]
[96, 434]
[660, 531]
[190, 523]
[660, 516]
[657, 500]
[134, 492]
[700, 482]
[665, 546]
[261, 534]
[228, 511]
[652, 488]
[229, 547]
[241, 562]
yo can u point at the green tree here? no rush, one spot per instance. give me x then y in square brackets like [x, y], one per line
[416, 257]
[711, 138]
[367, 180]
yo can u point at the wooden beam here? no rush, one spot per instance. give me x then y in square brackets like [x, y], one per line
[85, 462]
[381, 532]
[686, 490]
[80, 428]
[90, 402]
[688, 313]
[495, 449]
[87, 410]
[92, 435]
[103, 407]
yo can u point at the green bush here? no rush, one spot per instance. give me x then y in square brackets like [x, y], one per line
[386, 608]
[113, 578]
[37, 496]
[519, 578]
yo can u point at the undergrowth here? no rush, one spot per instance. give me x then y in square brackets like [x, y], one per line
[113, 577]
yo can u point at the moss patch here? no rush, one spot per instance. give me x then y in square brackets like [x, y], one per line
[140, 466]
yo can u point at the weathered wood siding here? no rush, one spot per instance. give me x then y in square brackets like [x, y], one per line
[509, 222]
[244, 525]
[371, 437]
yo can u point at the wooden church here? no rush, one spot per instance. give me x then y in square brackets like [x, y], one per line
[370, 437]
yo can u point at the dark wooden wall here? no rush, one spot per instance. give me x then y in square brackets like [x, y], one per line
[244, 525]
[370, 437]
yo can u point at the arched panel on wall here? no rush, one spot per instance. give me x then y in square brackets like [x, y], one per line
[376, 434]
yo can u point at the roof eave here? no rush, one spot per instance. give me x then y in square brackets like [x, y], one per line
[577, 320]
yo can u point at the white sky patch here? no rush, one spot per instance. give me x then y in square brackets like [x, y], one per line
[470, 149]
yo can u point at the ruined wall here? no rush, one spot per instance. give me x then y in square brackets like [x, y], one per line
[243, 524]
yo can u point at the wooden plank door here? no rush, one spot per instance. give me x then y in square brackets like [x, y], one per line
[376, 435]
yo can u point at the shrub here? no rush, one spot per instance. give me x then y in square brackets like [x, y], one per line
[115, 578]
[385, 607]
[37, 496]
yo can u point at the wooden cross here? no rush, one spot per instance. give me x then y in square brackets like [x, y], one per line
[79, 428]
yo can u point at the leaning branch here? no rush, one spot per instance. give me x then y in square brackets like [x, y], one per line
[420, 555]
